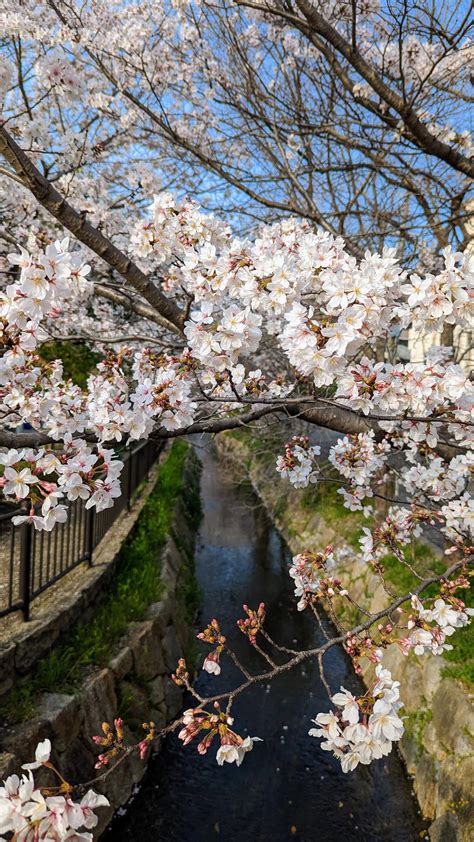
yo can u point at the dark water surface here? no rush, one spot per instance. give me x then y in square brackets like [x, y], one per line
[287, 787]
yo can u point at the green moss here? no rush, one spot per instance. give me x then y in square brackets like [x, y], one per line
[460, 672]
[421, 557]
[77, 358]
[136, 585]
[349, 614]
[415, 726]
[280, 507]
[458, 806]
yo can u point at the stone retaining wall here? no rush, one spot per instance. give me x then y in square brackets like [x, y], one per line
[135, 684]
[438, 744]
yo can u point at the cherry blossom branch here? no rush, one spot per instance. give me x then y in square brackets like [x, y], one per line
[218, 425]
[107, 340]
[277, 646]
[323, 676]
[237, 663]
[339, 639]
[370, 416]
[109, 292]
[314, 609]
[51, 199]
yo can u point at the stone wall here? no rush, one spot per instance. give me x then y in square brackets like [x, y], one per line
[135, 684]
[438, 745]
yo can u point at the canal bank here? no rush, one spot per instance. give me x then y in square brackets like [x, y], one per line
[438, 744]
[287, 788]
[119, 662]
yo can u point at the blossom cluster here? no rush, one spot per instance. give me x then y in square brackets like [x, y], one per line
[252, 624]
[396, 531]
[365, 727]
[308, 572]
[232, 748]
[459, 517]
[439, 480]
[446, 298]
[57, 72]
[438, 391]
[213, 635]
[243, 289]
[173, 228]
[30, 813]
[297, 464]
[43, 478]
[359, 458]
[240, 290]
[429, 627]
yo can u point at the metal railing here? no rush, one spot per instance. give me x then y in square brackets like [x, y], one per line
[32, 561]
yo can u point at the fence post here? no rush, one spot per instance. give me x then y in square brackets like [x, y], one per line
[90, 535]
[26, 542]
[129, 460]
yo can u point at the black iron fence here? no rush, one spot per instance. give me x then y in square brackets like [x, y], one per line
[32, 561]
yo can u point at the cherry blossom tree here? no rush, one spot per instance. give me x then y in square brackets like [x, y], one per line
[346, 135]
[349, 114]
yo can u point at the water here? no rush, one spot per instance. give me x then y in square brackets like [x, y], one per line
[287, 787]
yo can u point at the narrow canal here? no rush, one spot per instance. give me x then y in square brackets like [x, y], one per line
[287, 787]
